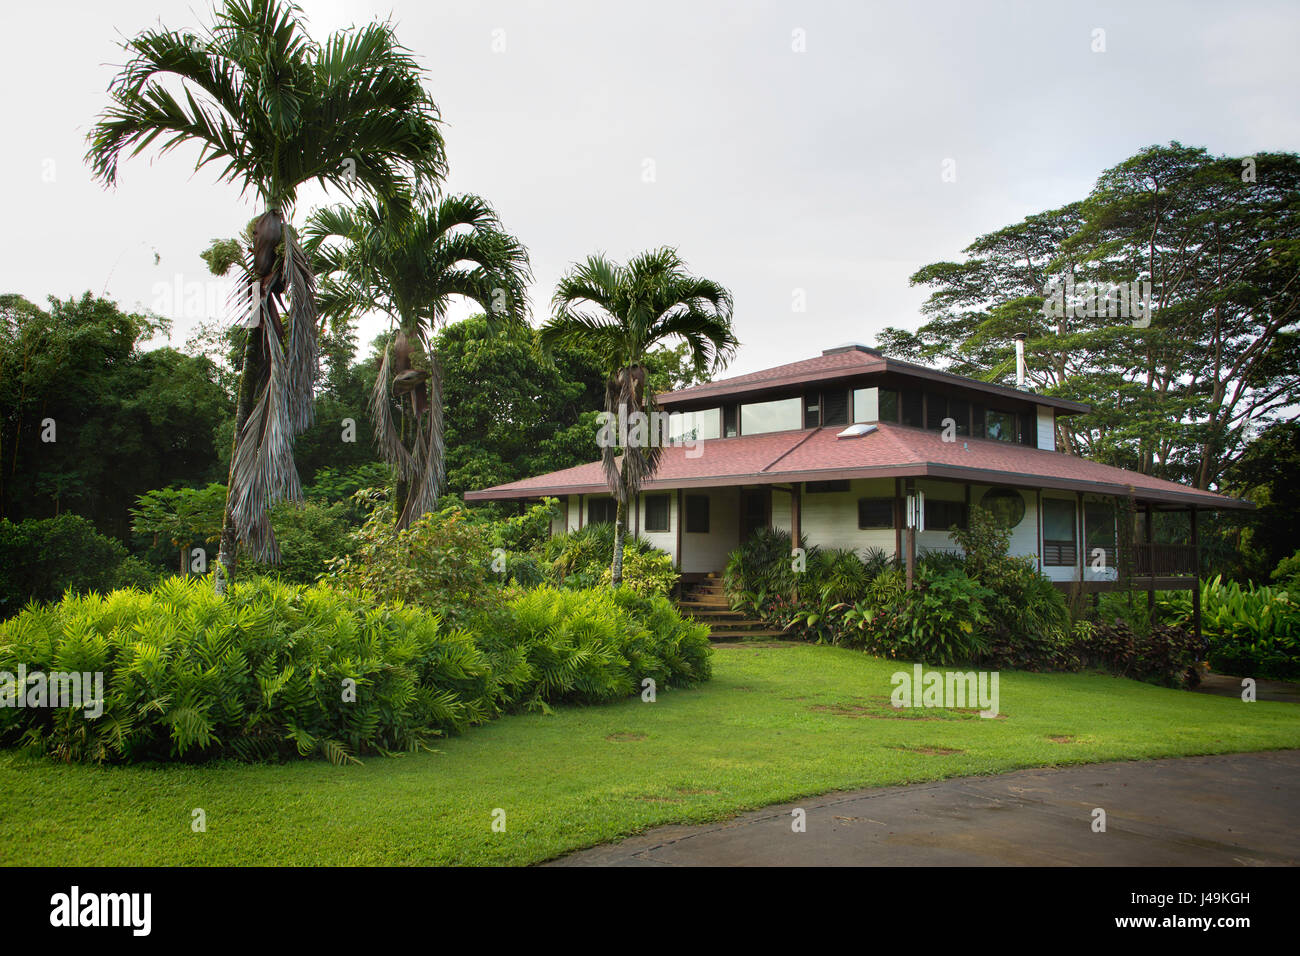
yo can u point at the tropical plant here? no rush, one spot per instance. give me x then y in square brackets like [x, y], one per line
[276, 670]
[180, 516]
[1249, 631]
[621, 312]
[410, 266]
[279, 110]
[443, 561]
[763, 570]
[645, 572]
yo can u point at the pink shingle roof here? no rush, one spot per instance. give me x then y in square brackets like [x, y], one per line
[889, 451]
[839, 364]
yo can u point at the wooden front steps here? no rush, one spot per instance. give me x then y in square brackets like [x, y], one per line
[705, 602]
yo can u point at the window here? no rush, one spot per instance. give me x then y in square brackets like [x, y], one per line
[1099, 529]
[812, 412]
[821, 487]
[888, 405]
[936, 410]
[760, 417]
[911, 406]
[977, 413]
[942, 515]
[959, 411]
[601, 510]
[693, 426]
[697, 514]
[730, 424]
[866, 405]
[1028, 429]
[1005, 504]
[656, 513]
[835, 407]
[1001, 426]
[875, 513]
[1059, 532]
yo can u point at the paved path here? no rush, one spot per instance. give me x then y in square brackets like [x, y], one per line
[1234, 810]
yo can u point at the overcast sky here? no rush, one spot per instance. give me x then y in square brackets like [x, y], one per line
[778, 173]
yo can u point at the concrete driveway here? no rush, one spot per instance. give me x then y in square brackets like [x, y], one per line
[1233, 810]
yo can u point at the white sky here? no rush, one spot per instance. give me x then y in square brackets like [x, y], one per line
[775, 171]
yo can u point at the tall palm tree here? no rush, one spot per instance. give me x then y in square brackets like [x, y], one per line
[622, 312]
[410, 267]
[279, 109]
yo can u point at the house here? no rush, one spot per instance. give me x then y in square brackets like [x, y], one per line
[856, 450]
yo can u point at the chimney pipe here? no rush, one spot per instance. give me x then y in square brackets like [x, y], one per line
[1020, 360]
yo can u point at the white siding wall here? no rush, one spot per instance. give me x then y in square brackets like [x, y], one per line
[781, 510]
[1046, 428]
[663, 540]
[708, 552]
[830, 519]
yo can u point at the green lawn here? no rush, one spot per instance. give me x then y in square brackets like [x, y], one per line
[775, 723]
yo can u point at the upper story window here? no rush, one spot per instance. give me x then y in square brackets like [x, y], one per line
[935, 411]
[731, 420]
[783, 414]
[694, 426]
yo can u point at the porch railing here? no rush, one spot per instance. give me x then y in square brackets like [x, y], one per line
[1163, 560]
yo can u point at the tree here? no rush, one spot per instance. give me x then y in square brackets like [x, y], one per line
[279, 110]
[410, 267]
[90, 418]
[1217, 242]
[509, 412]
[621, 312]
[181, 516]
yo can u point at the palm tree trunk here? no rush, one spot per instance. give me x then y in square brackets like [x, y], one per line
[226, 558]
[620, 526]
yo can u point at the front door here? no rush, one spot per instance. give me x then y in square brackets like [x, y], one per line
[755, 511]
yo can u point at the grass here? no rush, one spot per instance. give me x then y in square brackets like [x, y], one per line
[777, 722]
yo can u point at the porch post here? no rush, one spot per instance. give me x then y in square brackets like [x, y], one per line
[681, 521]
[1151, 561]
[911, 536]
[1196, 581]
[796, 524]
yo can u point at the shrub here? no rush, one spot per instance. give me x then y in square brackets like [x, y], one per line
[312, 536]
[762, 569]
[1028, 620]
[443, 561]
[591, 646]
[1250, 631]
[1166, 654]
[578, 558]
[1287, 576]
[40, 558]
[943, 618]
[645, 572]
[261, 672]
[529, 530]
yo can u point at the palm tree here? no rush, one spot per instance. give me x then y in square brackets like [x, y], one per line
[622, 312]
[278, 109]
[410, 267]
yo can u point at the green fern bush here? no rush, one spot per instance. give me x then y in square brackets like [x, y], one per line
[598, 645]
[268, 671]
